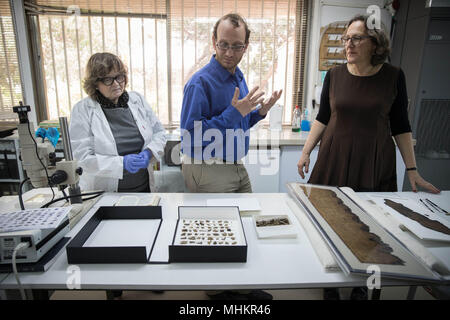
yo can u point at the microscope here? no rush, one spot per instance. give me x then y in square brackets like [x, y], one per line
[39, 161]
[39, 158]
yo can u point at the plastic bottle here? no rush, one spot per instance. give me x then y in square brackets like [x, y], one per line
[305, 124]
[296, 119]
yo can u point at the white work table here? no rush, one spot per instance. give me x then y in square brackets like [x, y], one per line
[271, 263]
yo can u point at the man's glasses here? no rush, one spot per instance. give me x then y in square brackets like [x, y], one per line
[355, 39]
[107, 81]
[226, 46]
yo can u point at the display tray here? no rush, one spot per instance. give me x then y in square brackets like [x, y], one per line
[357, 241]
[106, 237]
[208, 234]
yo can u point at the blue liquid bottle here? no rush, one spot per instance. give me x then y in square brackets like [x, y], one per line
[305, 124]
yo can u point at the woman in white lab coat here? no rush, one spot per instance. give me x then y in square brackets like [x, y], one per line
[115, 135]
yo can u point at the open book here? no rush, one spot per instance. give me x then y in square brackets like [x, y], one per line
[141, 200]
[247, 206]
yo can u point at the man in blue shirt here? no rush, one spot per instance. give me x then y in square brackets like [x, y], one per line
[218, 112]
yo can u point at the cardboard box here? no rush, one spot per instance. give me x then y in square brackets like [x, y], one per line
[105, 238]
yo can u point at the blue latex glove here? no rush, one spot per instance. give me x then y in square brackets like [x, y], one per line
[40, 133]
[52, 135]
[133, 162]
[146, 155]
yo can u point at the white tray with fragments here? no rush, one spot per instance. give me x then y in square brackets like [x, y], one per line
[274, 226]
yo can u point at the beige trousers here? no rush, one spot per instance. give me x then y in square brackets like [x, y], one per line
[216, 178]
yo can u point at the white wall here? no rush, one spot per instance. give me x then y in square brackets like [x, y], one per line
[325, 12]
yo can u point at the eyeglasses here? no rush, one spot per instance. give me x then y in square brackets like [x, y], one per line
[107, 81]
[226, 46]
[355, 39]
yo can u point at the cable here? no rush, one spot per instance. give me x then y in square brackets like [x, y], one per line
[93, 197]
[20, 193]
[20, 246]
[95, 194]
[37, 155]
[65, 194]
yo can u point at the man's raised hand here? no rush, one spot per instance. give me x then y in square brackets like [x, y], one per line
[249, 102]
[266, 105]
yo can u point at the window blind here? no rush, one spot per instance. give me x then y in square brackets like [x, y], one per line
[10, 82]
[164, 43]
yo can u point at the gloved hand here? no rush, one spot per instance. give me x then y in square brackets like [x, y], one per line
[40, 133]
[133, 162]
[146, 155]
[52, 135]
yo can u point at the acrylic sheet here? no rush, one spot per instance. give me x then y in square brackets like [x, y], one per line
[423, 223]
[358, 242]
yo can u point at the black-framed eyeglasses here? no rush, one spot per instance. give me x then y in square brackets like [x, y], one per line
[355, 39]
[226, 46]
[107, 81]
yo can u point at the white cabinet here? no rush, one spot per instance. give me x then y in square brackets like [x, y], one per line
[288, 165]
[289, 172]
[270, 169]
[263, 167]
[400, 168]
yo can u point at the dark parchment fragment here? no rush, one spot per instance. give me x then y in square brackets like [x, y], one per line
[365, 245]
[424, 221]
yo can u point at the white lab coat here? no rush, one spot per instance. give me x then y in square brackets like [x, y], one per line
[94, 147]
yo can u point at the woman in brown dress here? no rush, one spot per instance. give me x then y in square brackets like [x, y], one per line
[363, 104]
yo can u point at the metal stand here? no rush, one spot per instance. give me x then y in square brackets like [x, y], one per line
[74, 189]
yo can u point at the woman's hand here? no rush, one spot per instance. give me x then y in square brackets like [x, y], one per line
[416, 180]
[146, 155]
[303, 162]
[133, 163]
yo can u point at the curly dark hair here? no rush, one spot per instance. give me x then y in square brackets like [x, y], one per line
[236, 20]
[378, 37]
[100, 64]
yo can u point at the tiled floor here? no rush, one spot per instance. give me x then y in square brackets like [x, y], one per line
[392, 293]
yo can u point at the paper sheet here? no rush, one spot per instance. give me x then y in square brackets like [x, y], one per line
[320, 247]
[244, 204]
[116, 233]
[160, 252]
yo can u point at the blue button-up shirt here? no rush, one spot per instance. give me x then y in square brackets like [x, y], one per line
[210, 126]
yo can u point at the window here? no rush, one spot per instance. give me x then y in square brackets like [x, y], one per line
[163, 43]
[10, 83]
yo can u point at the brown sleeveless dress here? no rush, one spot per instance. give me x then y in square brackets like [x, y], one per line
[357, 149]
